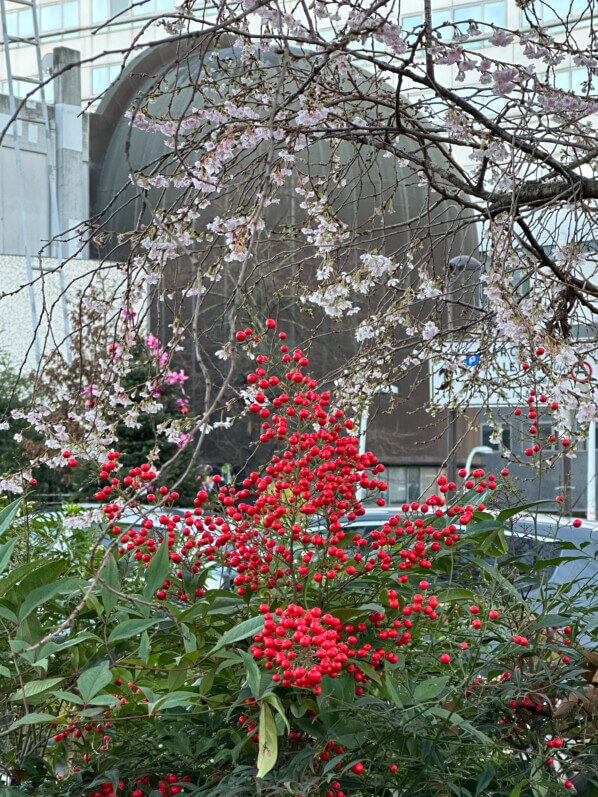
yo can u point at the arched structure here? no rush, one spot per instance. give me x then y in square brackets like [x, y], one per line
[408, 439]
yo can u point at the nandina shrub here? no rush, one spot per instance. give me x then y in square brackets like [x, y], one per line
[407, 660]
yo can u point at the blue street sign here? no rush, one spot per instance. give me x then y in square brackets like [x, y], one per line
[472, 359]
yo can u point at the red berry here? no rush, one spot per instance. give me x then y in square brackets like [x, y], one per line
[270, 323]
[357, 768]
[33, 482]
[577, 522]
[540, 350]
[241, 336]
[445, 658]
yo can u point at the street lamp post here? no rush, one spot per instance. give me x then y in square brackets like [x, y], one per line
[456, 266]
[473, 452]
[363, 427]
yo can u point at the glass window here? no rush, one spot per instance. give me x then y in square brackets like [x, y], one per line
[99, 10]
[427, 482]
[100, 79]
[50, 18]
[20, 89]
[25, 23]
[409, 23]
[164, 5]
[118, 6]
[103, 76]
[144, 8]
[465, 13]
[12, 24]
[545, 431]
[578, 78]
[440, 17]
[70, 14]
[489, 435]
[403, 484]
[555, 9]
[494, 14]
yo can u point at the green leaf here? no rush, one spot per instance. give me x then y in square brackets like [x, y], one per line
[176, 678]
[245, 629]
[252, 671]
[70, 697]
[449, 595]
[483, 525]
[494, 544]
[548, 620]
[268, 749]
[207, 681]
[32, 719]
[274, 701]
[92, 681]
[45, 593]
[144, 647]
[103, 700]
[53, 646]
[8, 615]
[7, 515]
[31, 576]
[430, 688]
[368, 670]
[517, 790]
[33, 688]
[496, 576]
[178, 699]
[112, 579]
[157, 571]
[5, 553]
[485, 778]
[189, 640]
[515, 510]
[456, 719]
[390, 690]
[130, 628]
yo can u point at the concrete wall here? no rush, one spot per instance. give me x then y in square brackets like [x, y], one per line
[17, 323]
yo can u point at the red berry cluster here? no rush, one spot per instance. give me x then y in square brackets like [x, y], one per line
[307, 644]
[107, 790]
[168, 786]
